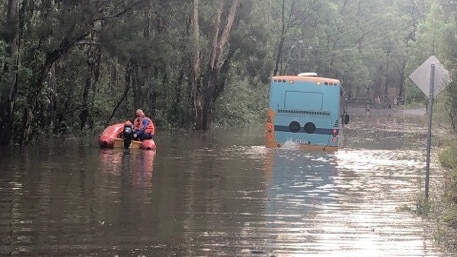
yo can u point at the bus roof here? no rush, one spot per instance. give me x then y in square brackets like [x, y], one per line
[307, 74]
[305, 78]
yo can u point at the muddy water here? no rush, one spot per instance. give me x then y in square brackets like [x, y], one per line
[221, 194]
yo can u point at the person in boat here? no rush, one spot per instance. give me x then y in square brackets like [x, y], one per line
[144, 127]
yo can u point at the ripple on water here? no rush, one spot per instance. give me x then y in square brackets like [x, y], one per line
[341, 204]
[217, 201]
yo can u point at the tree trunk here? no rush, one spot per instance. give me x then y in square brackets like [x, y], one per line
[127, 82]
[196, 82]
[8, 91]
[93, 63]
[31, 110]
[281, 40]
[210, 84]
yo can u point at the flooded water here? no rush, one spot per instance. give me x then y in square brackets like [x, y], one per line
[220, 194]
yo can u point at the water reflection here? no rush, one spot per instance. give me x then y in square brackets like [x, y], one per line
[219, 193]
[387, 131]
[343, 204]
[300, 183]
[135, 166]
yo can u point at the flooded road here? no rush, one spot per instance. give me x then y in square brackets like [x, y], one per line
[221, 194]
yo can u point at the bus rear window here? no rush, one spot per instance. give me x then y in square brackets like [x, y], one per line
[294, 100]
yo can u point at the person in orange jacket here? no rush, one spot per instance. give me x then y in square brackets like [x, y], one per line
[144, 127]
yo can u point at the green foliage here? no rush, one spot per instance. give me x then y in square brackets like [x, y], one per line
[111, 57]
[451, 103]
[448, 158]
[5, 75]
[243, 103]
[423, 205]
[146, 55]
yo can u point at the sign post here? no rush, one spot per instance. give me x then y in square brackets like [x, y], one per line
[429, 133]
[431, 82]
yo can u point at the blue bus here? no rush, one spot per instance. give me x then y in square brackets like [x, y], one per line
[306, 111]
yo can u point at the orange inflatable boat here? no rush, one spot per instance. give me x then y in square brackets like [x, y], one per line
[113, 137]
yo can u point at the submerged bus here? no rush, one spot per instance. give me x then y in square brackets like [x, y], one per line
[306, 110]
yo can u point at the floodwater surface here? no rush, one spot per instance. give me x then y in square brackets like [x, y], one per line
[221, 194]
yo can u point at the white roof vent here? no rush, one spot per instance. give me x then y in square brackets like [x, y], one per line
[308, 74]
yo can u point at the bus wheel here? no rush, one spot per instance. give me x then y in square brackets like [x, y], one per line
[310, 127]
[294, 126]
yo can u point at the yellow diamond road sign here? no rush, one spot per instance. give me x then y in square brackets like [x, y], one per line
[421, 76]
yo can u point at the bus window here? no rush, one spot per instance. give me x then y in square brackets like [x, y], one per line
[303, 100]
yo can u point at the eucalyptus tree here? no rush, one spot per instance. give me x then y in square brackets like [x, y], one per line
[135, 59]
[446, 40]
[428, 40]
[243, 99]
[363, 43]
[186, 63]
[181, 63]
[211, 87]
[371, 47]
[181, 59]
[291, 19]
[438, 32]
[9, 47]
[49, 30]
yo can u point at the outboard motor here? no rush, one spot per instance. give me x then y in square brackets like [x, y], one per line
[127, 134]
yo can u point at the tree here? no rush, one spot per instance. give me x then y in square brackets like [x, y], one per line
[85, 64]
[427, 42]
[211, 87]
[10, 63]
[448, 36]
[48, 32]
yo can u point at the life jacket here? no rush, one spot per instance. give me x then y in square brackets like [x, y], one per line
[139, 123]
